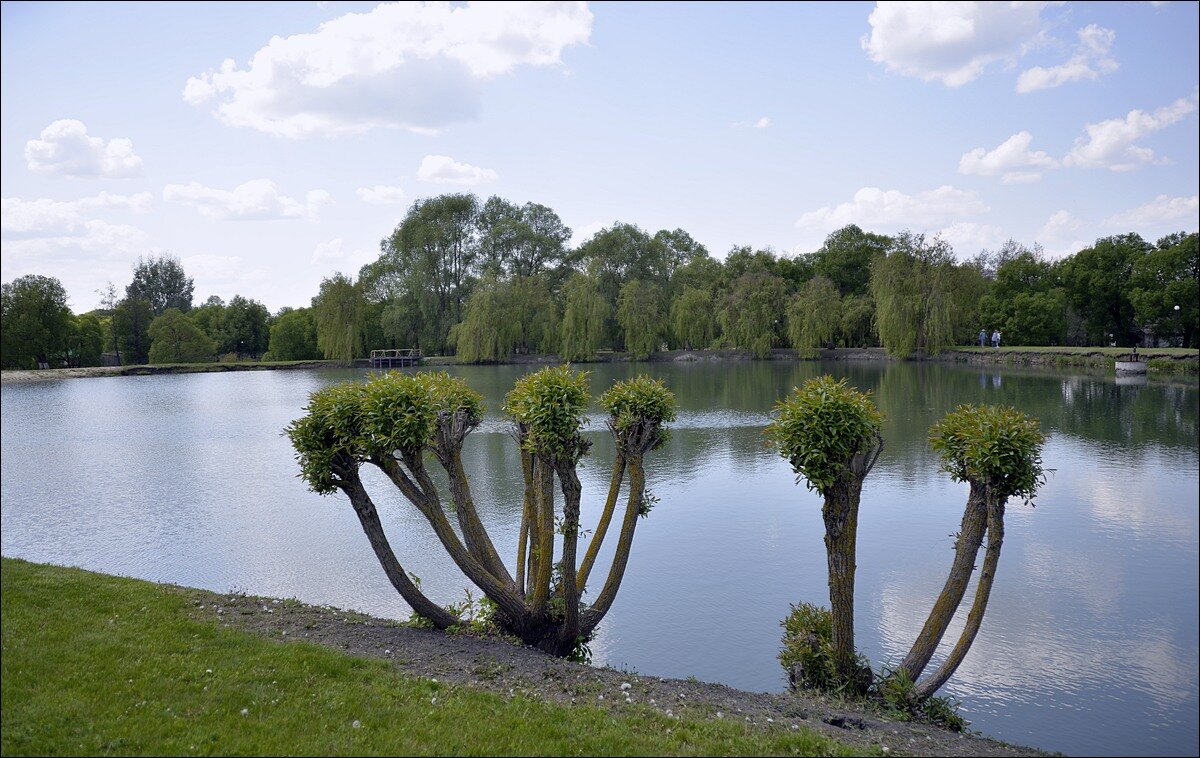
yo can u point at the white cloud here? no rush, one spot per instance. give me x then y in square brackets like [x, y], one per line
[381, 194]
[408, 65]
[334, 252]
[258, 199]
[582, 234]
[443, 169]
[873, 208]
[950, 42]
[1012, 158]
[1060, 225]
[1090, 61]
[43, 218]
[762, 123]
[968, 237]
[1161, 210]
[1060, 235]
[65, 148]
[1110, 144]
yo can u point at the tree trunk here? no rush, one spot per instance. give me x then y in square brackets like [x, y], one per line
[604, 601]
[610, 505]
[571, 489]
[995, 540]
[368, 517]
[841, 532]
[966, 548]
[544, 495]
[479, 544]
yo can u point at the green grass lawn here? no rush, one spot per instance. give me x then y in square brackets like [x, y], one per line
[1150, 352]
[95, 664]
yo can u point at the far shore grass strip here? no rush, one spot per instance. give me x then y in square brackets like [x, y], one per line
[96, 665]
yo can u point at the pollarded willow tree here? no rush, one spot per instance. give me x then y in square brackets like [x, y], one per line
[998, 451]
[830, 433]
[395, 422]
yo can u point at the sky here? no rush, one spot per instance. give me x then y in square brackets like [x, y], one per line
[268, 146]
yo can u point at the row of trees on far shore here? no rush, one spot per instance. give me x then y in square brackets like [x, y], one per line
[487, 280]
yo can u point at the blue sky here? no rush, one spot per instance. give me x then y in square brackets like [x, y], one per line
[124, 131]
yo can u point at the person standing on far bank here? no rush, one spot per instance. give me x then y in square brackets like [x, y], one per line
[983, 337]
[996, 338]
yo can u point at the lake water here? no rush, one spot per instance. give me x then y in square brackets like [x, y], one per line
[1089, 645]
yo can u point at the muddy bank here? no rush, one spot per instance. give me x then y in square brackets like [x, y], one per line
[508, 669]
[53, 374]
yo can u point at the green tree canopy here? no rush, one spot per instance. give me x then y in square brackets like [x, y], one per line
[1097, 285]
[1164, 278]
[161, 281]
[177, 339]
[338, 315]
[640, 317]
[845, 258]
[754, 311]
[693, 322]
[294, 337]
[814, 316]
[584, 314]
[35, 321]
[244, 327]
[912, 286]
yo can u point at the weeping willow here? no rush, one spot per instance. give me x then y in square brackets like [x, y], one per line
[692, 320]
[814, 316]
[638, 314]
[912, 289]
[338, 311]
[583, 319]
[503, 317]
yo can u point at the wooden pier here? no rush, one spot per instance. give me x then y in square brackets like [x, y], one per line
[395, 358]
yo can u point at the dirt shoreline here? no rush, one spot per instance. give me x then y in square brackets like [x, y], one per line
[508, 669]
[1095, 358]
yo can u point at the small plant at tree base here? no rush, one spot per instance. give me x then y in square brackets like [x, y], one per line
[896, 691]
[807, 655]
[830, 433]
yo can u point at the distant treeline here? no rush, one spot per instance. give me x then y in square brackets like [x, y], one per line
[487, 280]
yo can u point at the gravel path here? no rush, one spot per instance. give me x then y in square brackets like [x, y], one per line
[508, 669]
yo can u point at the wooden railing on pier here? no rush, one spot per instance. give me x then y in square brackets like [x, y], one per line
[395, 358]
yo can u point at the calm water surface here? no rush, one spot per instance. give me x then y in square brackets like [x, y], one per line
[1089, 645]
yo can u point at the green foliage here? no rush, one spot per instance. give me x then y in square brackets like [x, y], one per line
[548, 406]
[177, 339]
[160, 281]
[640, 319]
[583, 319]
[692, 320]
[814, 316]
[846, 257]
[294, 337]
[35, 321]
[912, 287]
[1096, 280]
[85, 340]
[898, 693]
[486, 333]
[348, 423]
[807, 651]
[338, 315]
[821, 427]
[131, 320]
[858, 321]
[1164, 278]
[753, 311]
[244, 327]
[639, 403]
[993, 445]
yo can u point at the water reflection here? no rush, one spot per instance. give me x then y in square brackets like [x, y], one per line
[1090, 641]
